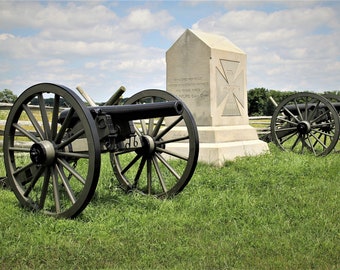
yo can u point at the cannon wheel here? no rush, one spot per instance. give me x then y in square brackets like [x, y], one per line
[47, 165]
[333, 99]
[315, 130]
[162, 157]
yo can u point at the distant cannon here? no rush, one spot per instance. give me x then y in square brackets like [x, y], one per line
[53, 164]
[307, 123]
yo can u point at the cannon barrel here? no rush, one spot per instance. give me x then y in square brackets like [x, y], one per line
[133, 111]
[142, 111]
[311, 106]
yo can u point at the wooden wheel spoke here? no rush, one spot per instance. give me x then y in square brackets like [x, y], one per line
[168, 166]
[331, 123]
[56, 193]
[173, 140]
[285, 120]
[159, 174]
[34, 180]
[143, 125]
[318, 140]
[309, 145]
[306, 110]
[44, 117]
[326, 134]
[71, 170]
[304, 144]
[139, 171]
[66, 184]
[34, 121]
[287, 138]
[71, 139]
[320, 117]
[27, 133]
[171, 153]
[138, 132]
[55, 115]
[73, 155]
[149, 176]
[44, 189]
[291, 114]
[65, 125]
[314, 111]
[19, 149]
[126, 150]
[298, 109]
[130, 164]
[168, 128]
[298, 138]
[151, 125]
[285, 129]
[157, 126]
[319, 137]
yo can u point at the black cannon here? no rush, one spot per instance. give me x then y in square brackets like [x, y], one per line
[307, 123]
[52, 150]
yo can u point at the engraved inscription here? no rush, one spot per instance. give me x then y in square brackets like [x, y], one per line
[190, 87]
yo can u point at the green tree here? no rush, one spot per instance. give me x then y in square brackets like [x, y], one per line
[7, 96]
[257, 101]
[278, 96]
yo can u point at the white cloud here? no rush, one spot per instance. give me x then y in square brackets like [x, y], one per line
[283, 46]
[138, 65]
[103, 44]
[144, 19]
[6, 36]
[52, 62]
[79, 42]
[53, 14]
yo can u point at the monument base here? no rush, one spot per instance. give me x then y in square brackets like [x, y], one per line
[218, 153]
[219, 144]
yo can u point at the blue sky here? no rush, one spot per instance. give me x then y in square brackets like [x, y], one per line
[101, 45]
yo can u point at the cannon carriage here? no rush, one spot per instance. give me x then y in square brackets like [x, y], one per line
[53, 163]
[307, 123]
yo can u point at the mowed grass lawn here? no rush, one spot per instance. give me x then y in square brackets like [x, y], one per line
[274, 211]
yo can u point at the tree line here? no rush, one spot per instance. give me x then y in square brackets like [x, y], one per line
[259, 102]
[7, 96]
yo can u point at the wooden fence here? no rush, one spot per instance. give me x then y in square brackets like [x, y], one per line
[260, 123]
[3, 107]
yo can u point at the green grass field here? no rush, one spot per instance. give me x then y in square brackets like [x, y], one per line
[275, 211]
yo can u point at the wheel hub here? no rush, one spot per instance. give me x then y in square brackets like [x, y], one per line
[42, 153]
[148, 144]
[303, 127]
